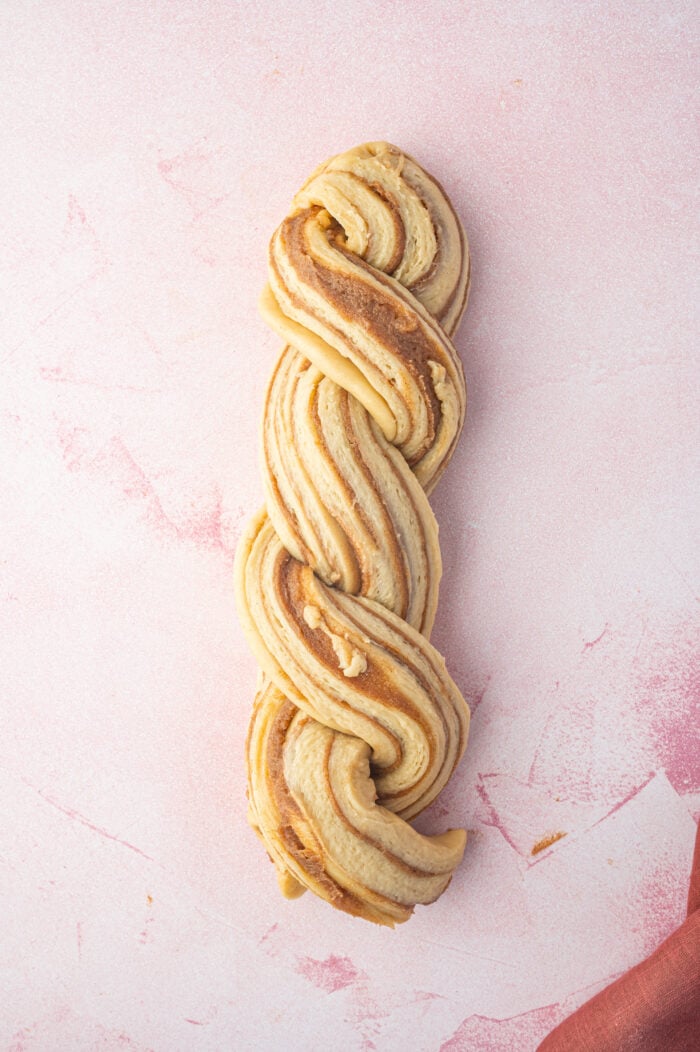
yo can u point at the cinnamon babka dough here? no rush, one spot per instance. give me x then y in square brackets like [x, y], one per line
[356, 725]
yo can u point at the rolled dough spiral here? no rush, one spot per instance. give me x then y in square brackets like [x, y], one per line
[356, 724]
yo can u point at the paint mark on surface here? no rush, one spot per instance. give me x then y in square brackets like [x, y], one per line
[58, 1023]
[195, 1022]
[82, 820]
[426, 995]
[77, 223]
[528, 815]
[492, 815]
[335, 973]
[80, 250]
[145, 935]
[115, 461]
[569, 730]
[19, 1038]
[368, 1012]
[268, 933]
[594, 642]
[193, 175]
[520, 1031]
[546, 842]
[670, 699]
[624, 800]
[474, 700]
[55, 374]
[124, 1041]
[269, 942]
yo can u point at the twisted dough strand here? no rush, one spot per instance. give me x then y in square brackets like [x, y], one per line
[356, 725]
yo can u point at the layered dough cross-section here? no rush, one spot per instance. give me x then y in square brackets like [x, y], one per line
[356, 725]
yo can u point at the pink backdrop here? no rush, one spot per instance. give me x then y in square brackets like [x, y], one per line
[150, 150]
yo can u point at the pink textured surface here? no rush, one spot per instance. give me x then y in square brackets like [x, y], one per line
[150, 150]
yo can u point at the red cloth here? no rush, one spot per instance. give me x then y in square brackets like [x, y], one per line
[654, 1007]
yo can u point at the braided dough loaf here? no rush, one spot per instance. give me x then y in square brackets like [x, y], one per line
[356, 725]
